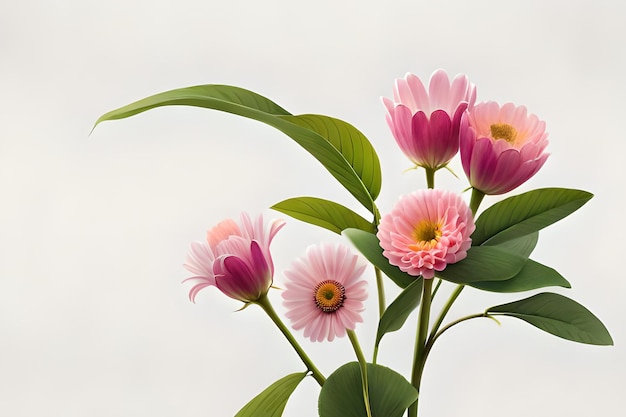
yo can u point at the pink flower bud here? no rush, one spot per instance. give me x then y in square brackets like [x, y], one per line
[426, 124]
[234, 258]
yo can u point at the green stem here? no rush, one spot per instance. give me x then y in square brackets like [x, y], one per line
[420, 344]
[265, 304]
[363, 366]
[381, 292]
[445, 309]
[432, 338]
[439, 281]
[477, 198]
[430, 177]
[380, 287]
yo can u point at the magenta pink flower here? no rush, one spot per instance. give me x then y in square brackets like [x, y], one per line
[426, 231]
[324, 294]
[235, 258]
[424, 123]
[501, 147]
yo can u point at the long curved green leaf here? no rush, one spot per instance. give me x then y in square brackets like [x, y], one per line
[390, 394]
[323, 213]
[399, 310]
[245, 103]
[483, 263]
[526, 213]
[271, 402]
[557, 315]
[368, 244]
[233, 100]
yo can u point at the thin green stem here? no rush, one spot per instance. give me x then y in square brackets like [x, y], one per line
[381, 292]
[363, 366]
[475, 200]
[430, 177]
[420, 343]
[380, 287]
[445, 309]
[433, 338]
[439, 281]
[265, 304]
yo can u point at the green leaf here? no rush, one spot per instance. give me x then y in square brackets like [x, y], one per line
[254, 106]
[558, 315]
[532, 276]
[323, 213]
[522, 246]
[342, 395]
[352, 144]
[399, 310]
[369, 245]
[271, 402]
[483, 263]
[231, 99]
[526, 213]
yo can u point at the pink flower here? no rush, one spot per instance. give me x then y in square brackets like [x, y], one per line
[324, 294]
[426, 231]
[426, 124]
[235, 258]
[501, 147]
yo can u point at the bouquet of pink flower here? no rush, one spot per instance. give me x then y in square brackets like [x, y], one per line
[429, 237]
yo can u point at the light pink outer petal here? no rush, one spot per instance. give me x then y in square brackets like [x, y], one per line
[439, 90]
[200, 263]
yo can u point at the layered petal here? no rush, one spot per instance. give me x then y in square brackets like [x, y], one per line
[425, 123]
[235, 258]
[324, 294]
[426, 231]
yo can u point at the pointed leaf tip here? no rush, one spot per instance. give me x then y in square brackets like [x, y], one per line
[272, 401]
[558, 315]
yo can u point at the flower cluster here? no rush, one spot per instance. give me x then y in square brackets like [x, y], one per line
[501, 146]
[430, 235]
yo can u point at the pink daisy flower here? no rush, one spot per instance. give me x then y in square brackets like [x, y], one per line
[501, 147]
[235, 257]
[425, 123]
[426, 231]
[323, 293]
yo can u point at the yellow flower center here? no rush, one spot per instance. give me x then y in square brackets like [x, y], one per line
[503, 131]
[426, 235]
[329, 295]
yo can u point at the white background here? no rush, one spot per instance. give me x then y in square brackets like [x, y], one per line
[94, 228]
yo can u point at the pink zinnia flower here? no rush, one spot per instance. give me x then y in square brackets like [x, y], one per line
[424, 123]
[324, 294]
[235, 257]
[426, 231]
[501, 147]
